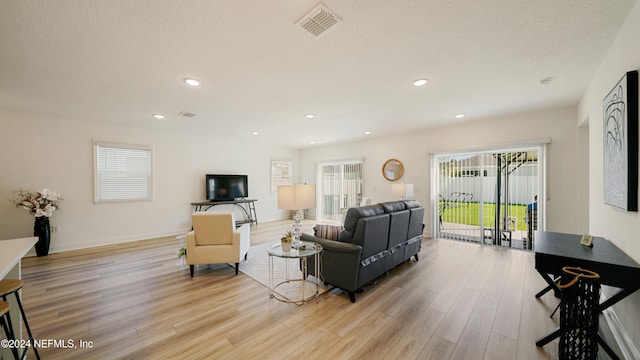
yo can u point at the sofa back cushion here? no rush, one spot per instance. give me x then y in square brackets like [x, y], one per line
[213, 228]
[353, 215]
[398, 227]
[392, 206]
[411, 204]
[416, 222]
[372, 233]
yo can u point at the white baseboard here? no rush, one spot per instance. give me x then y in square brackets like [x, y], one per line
[624, 342]
[110, 241]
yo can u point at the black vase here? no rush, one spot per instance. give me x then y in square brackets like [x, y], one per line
[43, 232]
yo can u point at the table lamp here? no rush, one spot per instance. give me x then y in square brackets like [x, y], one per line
[296, 198]
[402, 190]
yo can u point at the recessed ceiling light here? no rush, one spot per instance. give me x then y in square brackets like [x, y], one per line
[309, 116]
[255, 133]
[420, 82]
[367, 132]
[459, 116]
[192, 82]
[312, 142]
[158, 116]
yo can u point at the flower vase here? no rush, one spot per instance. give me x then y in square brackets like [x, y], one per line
[286, 246]
[43, 232]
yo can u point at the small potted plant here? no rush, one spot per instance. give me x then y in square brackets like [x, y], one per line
[182, 254]
[286, 240]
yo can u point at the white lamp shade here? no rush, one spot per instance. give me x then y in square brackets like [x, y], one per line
[402, 190]
[296, 197]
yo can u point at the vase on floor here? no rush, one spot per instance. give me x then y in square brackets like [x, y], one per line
[43, 232]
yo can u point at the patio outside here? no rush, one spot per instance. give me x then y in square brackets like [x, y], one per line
[485, 197]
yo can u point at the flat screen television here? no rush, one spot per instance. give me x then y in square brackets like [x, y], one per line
[226, 187]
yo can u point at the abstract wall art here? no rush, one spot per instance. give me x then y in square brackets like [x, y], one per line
[620, 120]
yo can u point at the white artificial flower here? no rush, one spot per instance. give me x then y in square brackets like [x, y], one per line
[49, 194]
[40, 203]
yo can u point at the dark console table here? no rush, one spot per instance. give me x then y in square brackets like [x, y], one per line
[553, 251]
[247, 205]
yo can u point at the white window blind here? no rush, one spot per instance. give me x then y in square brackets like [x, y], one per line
[340, 184]
[122, 172]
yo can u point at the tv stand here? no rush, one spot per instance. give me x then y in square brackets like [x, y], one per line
[247, 205]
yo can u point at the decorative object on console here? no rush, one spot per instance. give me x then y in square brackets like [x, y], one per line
[296, 198]
[41, 204]
[621, 144]
[392, 169]
[402, 190]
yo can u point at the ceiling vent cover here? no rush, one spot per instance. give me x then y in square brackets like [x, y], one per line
[186, 114]
[318, 21]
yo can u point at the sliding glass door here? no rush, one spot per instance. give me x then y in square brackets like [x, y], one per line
[339, 187]
[488, 196]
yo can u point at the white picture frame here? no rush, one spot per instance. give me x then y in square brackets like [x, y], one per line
[281, 173]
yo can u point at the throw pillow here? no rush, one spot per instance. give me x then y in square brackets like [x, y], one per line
[329, 232]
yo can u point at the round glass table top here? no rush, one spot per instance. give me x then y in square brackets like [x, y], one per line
[307, 249]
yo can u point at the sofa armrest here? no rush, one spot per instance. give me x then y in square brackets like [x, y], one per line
[333, 245]
[340, 262]
[190, 245]
[241, 241]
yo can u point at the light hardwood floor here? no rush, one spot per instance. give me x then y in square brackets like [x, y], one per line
[460, 301]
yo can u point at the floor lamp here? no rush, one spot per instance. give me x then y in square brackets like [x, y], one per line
[296, 198]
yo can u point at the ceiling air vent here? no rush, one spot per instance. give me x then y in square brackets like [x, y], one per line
[318, 21]
[187, 114]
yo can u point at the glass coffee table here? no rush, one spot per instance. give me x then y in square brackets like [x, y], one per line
[294, 290]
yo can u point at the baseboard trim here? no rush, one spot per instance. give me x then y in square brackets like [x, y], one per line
[622, 339]
[109, 241]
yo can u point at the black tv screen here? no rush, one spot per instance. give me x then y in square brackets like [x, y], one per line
[226, 187]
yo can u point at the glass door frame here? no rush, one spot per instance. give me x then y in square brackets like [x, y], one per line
[479, 236]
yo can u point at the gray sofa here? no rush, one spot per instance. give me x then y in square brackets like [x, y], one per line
[376, 238]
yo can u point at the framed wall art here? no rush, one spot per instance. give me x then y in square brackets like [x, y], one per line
[281, 173]
[620, 111]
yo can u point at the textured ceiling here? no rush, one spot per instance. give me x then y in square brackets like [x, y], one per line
[121, 61]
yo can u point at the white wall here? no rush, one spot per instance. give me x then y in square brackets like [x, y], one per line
[39, 151]
[412, 150]
[620, 227]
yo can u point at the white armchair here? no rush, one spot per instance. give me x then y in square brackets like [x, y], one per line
[215, 240]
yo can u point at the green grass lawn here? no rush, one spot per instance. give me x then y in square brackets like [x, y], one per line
[468, 213]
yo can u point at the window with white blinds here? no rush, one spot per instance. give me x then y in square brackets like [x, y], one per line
[122, 172]
[340, 187]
